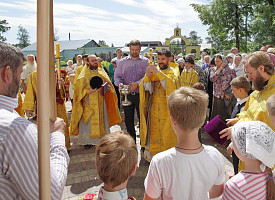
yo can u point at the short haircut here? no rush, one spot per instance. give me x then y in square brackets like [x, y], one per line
[135, 43]
[10, 56]
[260, 58]
[270, 105]
[198, 86]
[241, 82]
[85, 56]
[116, 158]
[165, 52]
[188, 107]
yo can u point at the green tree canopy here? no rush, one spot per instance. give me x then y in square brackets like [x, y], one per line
[23, 36]
[3, 28]
[102, 43]
[194, 38]
[237, 22]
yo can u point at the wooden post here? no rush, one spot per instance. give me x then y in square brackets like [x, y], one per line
[43, 92]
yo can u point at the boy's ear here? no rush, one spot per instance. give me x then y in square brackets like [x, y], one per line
[173, 121]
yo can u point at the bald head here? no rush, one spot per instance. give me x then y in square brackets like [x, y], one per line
[92, 61]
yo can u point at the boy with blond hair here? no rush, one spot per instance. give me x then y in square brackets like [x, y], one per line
[190, 170]
[116, 161]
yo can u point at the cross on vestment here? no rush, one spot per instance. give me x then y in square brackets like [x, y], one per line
[151, 56]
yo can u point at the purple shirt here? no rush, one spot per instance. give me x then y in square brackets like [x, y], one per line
[129, 70]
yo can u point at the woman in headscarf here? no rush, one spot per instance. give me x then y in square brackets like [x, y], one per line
[254, 144]
[223, 100]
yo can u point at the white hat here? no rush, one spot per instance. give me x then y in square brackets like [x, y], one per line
[230, 55]
[255, 140]
[180, 60]
[271, 50]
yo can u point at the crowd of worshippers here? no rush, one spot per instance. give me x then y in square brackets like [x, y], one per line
[173, 96]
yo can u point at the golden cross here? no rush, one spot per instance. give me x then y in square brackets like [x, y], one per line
[151, 56]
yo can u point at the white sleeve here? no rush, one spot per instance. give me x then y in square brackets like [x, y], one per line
[152, 181]
[23, 74]
[148, 86]
[221, 170]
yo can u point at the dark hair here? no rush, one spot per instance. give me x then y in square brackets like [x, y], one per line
[213, 61]
[190, 60]
[125, 54]
[10, 56]
[134, 43]
[238, 54]
[241, 82]
[85, 56]
[165, 52]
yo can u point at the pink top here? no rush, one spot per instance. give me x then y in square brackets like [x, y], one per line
[246, 186]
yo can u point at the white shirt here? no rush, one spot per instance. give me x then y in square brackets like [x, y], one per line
[178, 176]
[19, 156]
[241, 101]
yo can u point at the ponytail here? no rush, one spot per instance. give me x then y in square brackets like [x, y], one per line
[270, 189]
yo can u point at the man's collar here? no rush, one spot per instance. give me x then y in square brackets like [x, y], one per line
[130, 57]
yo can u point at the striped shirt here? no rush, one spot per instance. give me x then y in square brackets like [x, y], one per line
[246, 186]
[19, 156]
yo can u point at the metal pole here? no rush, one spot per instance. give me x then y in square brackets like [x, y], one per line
[43, 91]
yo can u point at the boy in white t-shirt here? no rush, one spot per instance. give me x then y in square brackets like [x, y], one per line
[190, 170]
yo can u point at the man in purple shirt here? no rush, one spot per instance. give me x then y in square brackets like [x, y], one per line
[130, 71]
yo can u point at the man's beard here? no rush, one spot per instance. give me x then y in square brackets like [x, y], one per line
[93, 67]
[259, 82]
[163, 67]
[13, 87]
[31, 64]
[134, 55]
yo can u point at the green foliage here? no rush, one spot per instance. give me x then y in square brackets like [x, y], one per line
[194, 38]
[238, 23]
[3, 28]
[102, 43]
[105, 64]
[177, 46]
[23, 36]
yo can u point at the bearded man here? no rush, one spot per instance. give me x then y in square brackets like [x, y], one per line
[156, 132]
[27, 70]
[93, 113]
[260, 70]
[130, 71]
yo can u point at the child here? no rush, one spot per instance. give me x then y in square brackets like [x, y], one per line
[270, 105]
[190, 170]
[189, 76]
[240, 88]
[116, 161]
[254, 144]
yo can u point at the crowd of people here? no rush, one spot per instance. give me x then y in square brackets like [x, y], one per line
[173, 98]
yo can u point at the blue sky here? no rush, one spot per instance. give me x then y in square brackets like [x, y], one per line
[114, 21]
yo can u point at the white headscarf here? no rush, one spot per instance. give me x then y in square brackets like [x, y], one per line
[255, 140]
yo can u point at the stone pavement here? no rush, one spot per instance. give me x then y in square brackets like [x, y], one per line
[82, 177]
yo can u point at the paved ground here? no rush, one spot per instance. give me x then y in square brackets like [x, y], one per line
[82, 177]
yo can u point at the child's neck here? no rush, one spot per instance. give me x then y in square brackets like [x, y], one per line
[188, 142]
[252, 166]
[110, 188]
[243, 96]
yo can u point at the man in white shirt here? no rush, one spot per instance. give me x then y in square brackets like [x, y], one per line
[27, 70]
[18, 139]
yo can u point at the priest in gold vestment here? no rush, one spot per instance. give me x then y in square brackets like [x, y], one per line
[29, 104]
[156, 132]
[93, 113]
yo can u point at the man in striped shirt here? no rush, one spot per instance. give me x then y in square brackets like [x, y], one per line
[18, 139]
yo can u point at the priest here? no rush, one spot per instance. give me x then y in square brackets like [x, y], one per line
[94, 111]
[156, 132]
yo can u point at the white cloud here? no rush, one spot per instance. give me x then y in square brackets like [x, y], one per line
[155, 20]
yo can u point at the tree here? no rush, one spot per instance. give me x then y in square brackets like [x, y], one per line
[194, 38]
[102, 43]
[23, 37]
[112, 45]
[238, 22]
[177, 46]
[3, 28]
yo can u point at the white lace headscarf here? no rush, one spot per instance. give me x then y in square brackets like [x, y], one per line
[255, 140]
